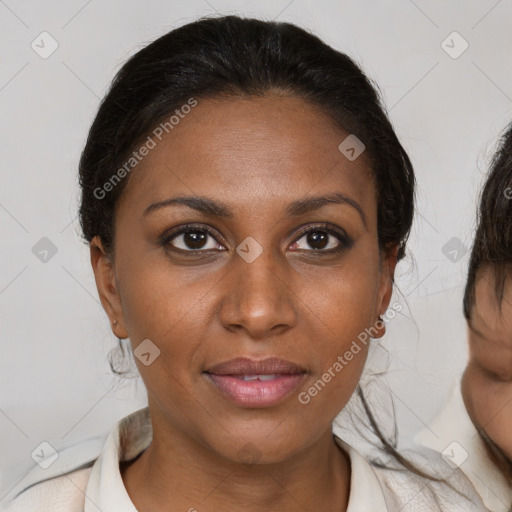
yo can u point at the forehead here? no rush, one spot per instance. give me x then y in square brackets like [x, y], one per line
[260, 147]
[494, 324]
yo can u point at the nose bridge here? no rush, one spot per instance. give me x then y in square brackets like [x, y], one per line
[259, 271]
[258, 299]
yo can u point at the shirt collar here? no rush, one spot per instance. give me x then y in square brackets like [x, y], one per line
[365, 490]
[106, 490]
[133, 434]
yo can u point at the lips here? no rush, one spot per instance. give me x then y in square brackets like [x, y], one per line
[250, 367]
[250, 383]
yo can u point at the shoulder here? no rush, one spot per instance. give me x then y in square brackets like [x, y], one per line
[64, 493]
[409, 492]
[380, 482]
[60, 482]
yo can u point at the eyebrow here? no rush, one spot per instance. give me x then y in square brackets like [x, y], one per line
[218, 209]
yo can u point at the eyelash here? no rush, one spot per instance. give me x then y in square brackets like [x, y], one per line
[496, 378]
[345, 241]
[493, 376]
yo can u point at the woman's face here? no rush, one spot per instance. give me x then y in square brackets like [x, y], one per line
[487, 381]
[234, 275]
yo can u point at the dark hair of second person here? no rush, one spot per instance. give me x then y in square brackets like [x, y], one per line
[487, 306]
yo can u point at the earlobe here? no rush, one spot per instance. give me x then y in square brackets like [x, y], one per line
[379, 327]
[104, 274]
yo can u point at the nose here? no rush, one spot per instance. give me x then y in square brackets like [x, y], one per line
[258, 298]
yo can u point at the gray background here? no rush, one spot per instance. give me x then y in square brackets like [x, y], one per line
[55, 382]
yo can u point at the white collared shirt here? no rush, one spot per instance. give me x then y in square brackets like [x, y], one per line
[453, 425]
[100, 486]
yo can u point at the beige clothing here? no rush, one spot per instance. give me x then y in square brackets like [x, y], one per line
[100, 486]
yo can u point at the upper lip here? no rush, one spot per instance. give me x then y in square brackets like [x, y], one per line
[247, 366]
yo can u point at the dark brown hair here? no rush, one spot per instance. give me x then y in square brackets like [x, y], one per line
[233, 56]
[492, 247]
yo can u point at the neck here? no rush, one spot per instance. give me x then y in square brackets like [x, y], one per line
[177, 473]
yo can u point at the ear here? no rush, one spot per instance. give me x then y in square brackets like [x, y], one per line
[385, 291]
[104, 274]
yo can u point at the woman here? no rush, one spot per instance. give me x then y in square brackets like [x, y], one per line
[245, 200]
[478, 415]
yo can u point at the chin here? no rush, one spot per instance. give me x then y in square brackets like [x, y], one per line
[257, 449]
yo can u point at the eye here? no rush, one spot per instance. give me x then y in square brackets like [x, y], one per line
[495, 376]
[323, 238]
[192, 238]
[498, 377]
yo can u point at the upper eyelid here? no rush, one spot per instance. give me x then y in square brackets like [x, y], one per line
[303, 230]
[498, 377]
[494, 376]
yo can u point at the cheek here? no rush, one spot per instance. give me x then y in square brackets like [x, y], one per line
[345, 293]
[170, 309]
[490, 407]
[497, 417]
[340, 311]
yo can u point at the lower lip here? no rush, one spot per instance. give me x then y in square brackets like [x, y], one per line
[256, 393]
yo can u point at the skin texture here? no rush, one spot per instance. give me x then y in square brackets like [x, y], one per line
[487, 380]
[255, 155]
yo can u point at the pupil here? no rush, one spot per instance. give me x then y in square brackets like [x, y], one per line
[194, 239]
[318, 237]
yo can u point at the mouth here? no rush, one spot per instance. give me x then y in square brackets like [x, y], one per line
[256, 384]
